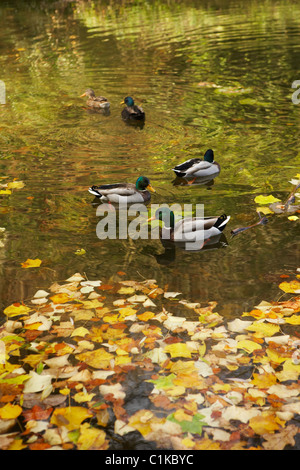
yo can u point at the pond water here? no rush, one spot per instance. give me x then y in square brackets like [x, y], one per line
[165, 55]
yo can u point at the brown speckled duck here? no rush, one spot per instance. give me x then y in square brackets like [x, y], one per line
[95, 101]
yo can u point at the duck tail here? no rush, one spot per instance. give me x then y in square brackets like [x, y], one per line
[222, 222]
[94, 190]
[179, 173]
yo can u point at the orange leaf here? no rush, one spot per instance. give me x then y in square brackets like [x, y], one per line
[37, 413]
[146, 316]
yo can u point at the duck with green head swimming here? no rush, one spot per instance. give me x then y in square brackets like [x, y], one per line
[198, 168]
[126, 193]
[132, 112]
[189, 228]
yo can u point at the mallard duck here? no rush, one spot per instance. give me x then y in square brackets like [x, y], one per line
[196, 167]
[95, 101]
[132, 112]
[183, 230]
[124, 192]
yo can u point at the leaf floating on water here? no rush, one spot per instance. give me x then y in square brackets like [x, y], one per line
[15, 185]
[266, 199]
[31, 263]
[80, 251]
[292, 287]
[293, 218]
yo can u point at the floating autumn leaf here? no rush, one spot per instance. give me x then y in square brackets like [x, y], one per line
[91, 438]
[263, 329]
[292, 287]
[31, 263]
[293, 218]
[178, 350]
[193, 425]
[60, 298]
[248, 345]
[265, 199]
[99, 359]
[80, 251]
[10, 411]
[37, 382]
[70, 417]
[265, 423]
[15, 185]
[16, 309]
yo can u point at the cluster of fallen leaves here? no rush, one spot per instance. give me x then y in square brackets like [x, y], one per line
[87, 364]
[272, 205]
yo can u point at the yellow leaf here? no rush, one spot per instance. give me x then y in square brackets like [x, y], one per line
[31, 263]
[16, 309]
[293, 320]
[263, 380]
[264, 423]
[266, 199]
[17, 445]
[15, 185]
[70, 417]
[178, 350]
[248, 346]
[183, 367]
[99, 359]
[5, 191]
[81, 397]
[80, 251]
[290, 371]
[10, 411]
[126, 290]
[80, 331]
[126, 312]
[90, 437]
[181, 415]
[293, 218]
[60, 298]
[290, 287]
[122, 360]
[264, 329]
[88, 304]
[264, 210]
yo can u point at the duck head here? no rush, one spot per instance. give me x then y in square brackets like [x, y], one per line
[166, 216]
[143, 183]
[209, 156]
[128, 101]
[89, 93]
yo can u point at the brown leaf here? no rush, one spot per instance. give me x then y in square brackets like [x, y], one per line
[279, 440]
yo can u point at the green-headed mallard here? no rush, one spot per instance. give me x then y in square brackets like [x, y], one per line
[95, 101]
[124, 193]
[132, 112]
[197, 168]
[185, 229]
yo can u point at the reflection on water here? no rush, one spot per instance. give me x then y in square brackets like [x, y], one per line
[212, 74]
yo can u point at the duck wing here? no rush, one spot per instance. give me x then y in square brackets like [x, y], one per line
[191, 166]
[101, 99]
[133, 112]
[122, 189]
[210, 226]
